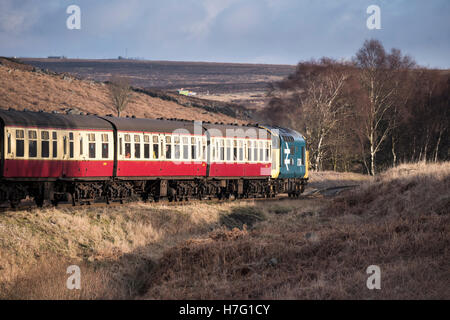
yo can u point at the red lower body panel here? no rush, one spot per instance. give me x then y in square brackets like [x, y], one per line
[57, 168]
[239, 170]
[131, 168]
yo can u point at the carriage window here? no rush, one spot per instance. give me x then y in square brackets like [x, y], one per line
[137, 146]
[65, 144]
[9, 142]
[54, 145]
[45, 144]
[193, 149]
[255, 151]
[177, 147]
[213, 149]
[245, 145]
[222, 150]
[267, 152]
[105, 146]
[127, 146]
[81, 145]
[241, 151]
[249, 150]
[155, 148]
[185, 148]
[146, 147]
[168, 147]
[120, 146]
[204, 149]
[32, 144]
[71, 144]
[199, 149]
[235, 151]
[228, 142]
[91, 137]
[20, 143]
[261, 151]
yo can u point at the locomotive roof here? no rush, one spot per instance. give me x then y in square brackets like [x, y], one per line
[155, 125]
[236, 131]
[283, 132]
[52, 120]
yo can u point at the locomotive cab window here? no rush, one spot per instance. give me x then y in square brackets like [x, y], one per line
[32, 144]
[105, 146]
[20, 143]
[91, 145]
[45, 144]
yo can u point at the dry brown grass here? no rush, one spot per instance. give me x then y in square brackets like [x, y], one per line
[114, 246]
[311, 248]
[312, 253]
[23, 89]
[329, 179]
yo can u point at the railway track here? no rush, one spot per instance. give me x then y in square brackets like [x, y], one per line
[29, 205]
[313, 193]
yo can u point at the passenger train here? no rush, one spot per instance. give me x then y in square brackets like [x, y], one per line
[53, 157]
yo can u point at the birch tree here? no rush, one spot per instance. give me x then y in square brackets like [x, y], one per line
[379, 79]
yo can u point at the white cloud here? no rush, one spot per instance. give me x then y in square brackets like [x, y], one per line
[15, 20]
[212, 8]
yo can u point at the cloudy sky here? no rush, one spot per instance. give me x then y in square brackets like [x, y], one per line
[253, 31]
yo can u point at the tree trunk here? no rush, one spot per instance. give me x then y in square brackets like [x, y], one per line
[394, 154]
[436, 151]
[319, 154]
[372, 154]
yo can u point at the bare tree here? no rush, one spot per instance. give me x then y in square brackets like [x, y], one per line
[379, 80]
[120, 93]
[322, 105]
[311, 101]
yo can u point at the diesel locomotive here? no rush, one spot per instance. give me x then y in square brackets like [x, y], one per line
[53, 157]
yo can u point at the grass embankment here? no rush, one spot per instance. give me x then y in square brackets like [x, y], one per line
[309, 248]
